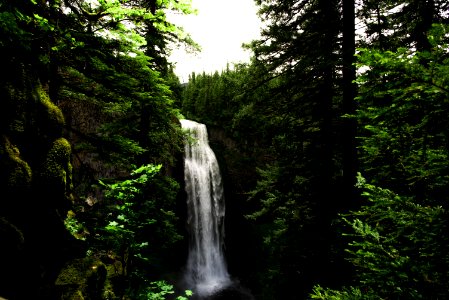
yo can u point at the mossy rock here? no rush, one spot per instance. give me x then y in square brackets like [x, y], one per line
[115, 269]
[14, 172]
[56, 170]
[80, 278]
[76, 272]
[50, 118]
[75, 295]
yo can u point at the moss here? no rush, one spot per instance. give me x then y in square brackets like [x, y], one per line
[60, 151]
[85, 276]
[77, 295]
[54, 113]
[14, 172]
[77, 272]
[53, 177]
[47, 120]
[115, 269]
[57, 169]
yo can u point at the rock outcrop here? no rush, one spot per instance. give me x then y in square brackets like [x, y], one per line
[35, 187]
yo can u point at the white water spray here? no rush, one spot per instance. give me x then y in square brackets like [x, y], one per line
[206, 270]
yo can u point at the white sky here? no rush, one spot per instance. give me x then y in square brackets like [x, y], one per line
[220, 28]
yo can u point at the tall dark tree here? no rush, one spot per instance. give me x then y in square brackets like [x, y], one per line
[349, 129]
[301, 48]
[403, 154]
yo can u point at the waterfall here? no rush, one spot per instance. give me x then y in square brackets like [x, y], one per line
[206, 270]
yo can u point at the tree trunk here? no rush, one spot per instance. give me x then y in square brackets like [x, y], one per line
[349, 93]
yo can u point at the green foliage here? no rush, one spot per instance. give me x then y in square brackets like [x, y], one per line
[402, 116]
[74, 226]
[139, 227]
[396, 242]
[390, 24]
[159, 290]
[278, 109]
[398, 247]
[137, 212]
[297, 114]
[214, 98]
[98, 71]
[350, 293]
[286, 110]
[10, 28]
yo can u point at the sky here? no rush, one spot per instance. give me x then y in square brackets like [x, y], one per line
[220, 28]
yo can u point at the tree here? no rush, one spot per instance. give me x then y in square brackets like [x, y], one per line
[399, 23]
[90, 57]
[140, 225]
[396, 241]
[349, 152]
[301, 49]
[397, 246]
[119, 107]
[401, 112]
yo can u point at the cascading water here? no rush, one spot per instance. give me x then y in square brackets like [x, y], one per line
[206, 270]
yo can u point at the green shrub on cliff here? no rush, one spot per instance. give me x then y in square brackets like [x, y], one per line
[140, 224]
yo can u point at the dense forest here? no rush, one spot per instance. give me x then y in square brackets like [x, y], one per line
[333, 142]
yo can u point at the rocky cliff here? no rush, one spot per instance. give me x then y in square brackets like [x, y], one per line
[36, 186]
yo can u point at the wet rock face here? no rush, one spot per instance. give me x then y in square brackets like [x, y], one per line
[35, 187]
[239, 174]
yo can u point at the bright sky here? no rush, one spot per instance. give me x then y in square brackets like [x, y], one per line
[220, 28]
